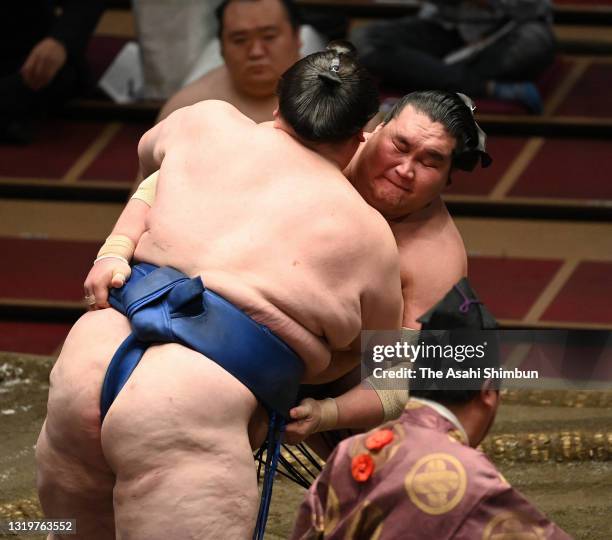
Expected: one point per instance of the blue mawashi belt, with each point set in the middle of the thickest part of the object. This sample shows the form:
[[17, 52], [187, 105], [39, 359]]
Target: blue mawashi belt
[[166, 306]]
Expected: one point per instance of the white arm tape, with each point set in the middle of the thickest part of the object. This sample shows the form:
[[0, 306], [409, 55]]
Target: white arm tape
[[394, 392], [147, 189]]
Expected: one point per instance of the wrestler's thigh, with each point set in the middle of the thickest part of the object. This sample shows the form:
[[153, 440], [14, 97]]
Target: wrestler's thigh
[[73, 478], [77, 376], [176, 438]]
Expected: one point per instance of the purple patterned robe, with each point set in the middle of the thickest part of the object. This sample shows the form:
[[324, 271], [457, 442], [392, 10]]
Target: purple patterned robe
[[425, 483]]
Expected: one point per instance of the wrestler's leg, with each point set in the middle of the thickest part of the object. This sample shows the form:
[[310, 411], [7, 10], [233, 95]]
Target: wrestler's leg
[[73, 478], [176, 438]]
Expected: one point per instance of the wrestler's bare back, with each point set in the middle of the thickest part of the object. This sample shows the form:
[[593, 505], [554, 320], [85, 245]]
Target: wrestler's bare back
[[275, 229], [271, 226]]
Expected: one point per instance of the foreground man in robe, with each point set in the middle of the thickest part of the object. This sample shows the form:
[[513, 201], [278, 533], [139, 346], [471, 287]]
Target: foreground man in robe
[[420, 477], [277, 231]]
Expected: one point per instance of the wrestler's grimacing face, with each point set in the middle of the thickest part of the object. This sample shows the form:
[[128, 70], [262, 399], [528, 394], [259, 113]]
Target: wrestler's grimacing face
[[258, 45], [404, 165]]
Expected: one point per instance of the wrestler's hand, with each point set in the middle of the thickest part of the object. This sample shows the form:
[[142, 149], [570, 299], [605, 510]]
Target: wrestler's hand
[[103, 275], [43, 63], [306, 419]]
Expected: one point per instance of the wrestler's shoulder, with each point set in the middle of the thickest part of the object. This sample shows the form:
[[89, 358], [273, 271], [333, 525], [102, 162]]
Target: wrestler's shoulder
[[211, 112], [376, 228], [440, 251]]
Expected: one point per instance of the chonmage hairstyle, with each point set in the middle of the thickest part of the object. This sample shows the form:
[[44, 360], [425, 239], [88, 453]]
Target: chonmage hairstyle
[[327, 96], [455, 113]]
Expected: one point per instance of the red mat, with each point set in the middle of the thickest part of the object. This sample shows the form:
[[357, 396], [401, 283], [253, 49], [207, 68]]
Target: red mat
[[568, 168], [46, 269], [509, 287], [57, 147], [32, 338], [119, 159], [586, 297], [591, 95], [503, 150]]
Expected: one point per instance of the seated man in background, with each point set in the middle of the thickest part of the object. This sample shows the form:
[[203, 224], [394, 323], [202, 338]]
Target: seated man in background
[[259, 40], [281, 239], [420, 477], [42, 59], [493, 48]]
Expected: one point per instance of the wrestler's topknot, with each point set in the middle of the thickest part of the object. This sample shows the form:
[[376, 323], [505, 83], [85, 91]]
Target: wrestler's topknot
[[454, 112], [328, 96]]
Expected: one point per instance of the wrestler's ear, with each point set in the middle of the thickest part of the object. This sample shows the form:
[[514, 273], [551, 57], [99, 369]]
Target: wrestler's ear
[[275, 113], [489, 394], [361, 136]]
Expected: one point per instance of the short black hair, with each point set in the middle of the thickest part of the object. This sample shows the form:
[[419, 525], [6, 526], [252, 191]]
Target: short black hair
[[290, 8], [459, 319], [327, 96], [456, 391], [451, 111]]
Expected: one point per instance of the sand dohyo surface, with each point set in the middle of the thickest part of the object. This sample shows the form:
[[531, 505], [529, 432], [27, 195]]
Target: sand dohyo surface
[[555, 448]]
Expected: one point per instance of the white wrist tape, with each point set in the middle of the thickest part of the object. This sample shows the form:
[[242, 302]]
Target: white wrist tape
[[118, 246], [112, 257], [329, 414]]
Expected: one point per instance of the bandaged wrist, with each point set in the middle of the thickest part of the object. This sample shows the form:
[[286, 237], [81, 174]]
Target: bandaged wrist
[[329, 414], [392, 392], [118, 246], [123, 259]]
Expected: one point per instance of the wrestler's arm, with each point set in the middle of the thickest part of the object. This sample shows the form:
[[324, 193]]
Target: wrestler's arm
[[361, 406], [111, 268], [151, 148]]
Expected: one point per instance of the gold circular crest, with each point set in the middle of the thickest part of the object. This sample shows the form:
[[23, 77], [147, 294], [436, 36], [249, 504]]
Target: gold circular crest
[[436, 483], [511, 525]]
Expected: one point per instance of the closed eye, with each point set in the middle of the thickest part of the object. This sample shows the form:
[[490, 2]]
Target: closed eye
[[401, 146]]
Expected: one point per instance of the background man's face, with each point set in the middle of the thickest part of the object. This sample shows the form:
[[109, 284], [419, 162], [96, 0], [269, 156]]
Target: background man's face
[[258, 45], [405, 164]]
